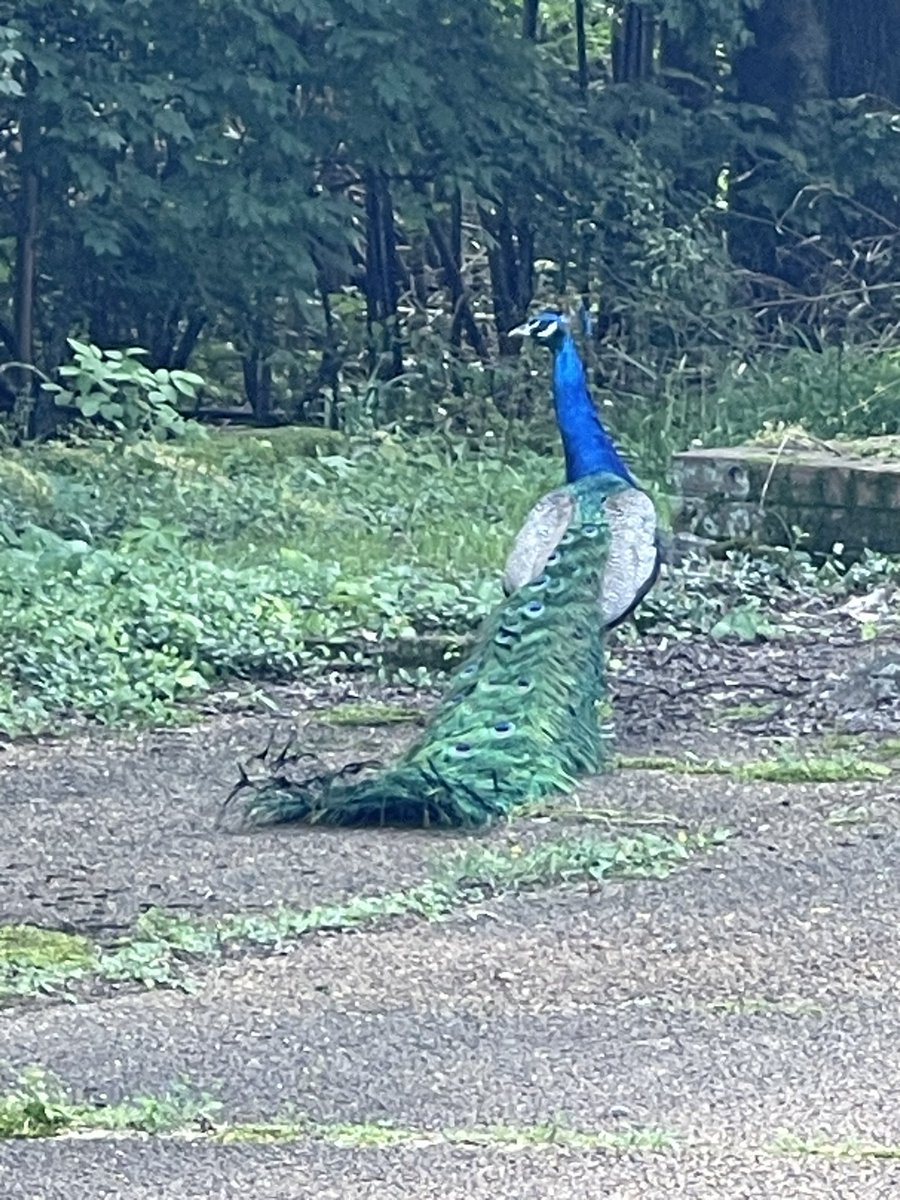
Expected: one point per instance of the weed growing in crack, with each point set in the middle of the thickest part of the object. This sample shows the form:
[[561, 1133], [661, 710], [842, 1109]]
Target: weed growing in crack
[[163, 948], [40, 1106]]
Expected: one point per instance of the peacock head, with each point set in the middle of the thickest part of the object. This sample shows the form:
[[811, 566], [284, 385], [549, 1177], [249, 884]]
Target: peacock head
[[548, 327]]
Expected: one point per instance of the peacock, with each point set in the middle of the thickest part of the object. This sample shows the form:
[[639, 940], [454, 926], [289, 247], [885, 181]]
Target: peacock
[[518, 721], [634, 553]]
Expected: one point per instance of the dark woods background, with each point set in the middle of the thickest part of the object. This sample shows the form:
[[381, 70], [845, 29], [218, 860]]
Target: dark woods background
[[333, 210]]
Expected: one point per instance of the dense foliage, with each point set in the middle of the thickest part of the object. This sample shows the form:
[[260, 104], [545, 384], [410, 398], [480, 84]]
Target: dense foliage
[[332, 212], [338, 207]]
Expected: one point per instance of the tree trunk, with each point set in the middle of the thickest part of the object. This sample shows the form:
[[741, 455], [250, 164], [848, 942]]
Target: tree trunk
[[26, 259], [789, 60], [511, 262], [788, 64], [36, 410], [462, 310], [581, 47], [257, 372], [184, 347], [530, 19], [633, 42], [382, 293]]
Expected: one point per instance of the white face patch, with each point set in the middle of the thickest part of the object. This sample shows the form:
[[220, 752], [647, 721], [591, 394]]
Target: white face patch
[[548, 329]]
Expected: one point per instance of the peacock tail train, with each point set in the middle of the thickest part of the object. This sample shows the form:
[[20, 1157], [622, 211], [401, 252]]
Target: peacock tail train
[[519, 719]]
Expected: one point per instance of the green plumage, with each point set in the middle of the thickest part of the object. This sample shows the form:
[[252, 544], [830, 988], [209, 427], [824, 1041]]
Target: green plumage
[[518, 721]]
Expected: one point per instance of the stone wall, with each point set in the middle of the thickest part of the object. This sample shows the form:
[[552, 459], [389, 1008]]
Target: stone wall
[[751, 493]]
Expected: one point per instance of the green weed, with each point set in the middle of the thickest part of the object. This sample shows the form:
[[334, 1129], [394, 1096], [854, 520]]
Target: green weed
[[742, 1006], [40, 1106], [34, 959]]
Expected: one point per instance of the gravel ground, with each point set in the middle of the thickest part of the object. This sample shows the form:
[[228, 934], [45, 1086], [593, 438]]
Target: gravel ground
[[751, 995]]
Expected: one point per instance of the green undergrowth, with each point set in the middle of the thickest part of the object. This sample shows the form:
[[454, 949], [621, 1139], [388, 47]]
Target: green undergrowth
[[163, 948], [170, 569]]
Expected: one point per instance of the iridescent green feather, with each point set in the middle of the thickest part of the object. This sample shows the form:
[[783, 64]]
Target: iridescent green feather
[[518, 721]]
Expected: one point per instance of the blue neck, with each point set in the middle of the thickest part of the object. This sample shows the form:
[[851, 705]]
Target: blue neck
[[588, 447]]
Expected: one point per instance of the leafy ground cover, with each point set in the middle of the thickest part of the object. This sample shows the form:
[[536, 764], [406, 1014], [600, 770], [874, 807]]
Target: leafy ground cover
[[134, 579]]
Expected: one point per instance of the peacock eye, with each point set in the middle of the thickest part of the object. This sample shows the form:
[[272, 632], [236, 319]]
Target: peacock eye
[[503, 727], [534, 608], [463, 748], [553, 558], [589, 530], [540, 582]]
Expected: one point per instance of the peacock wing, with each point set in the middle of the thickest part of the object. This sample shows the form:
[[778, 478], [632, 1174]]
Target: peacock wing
[[538, 538], [633, 562]]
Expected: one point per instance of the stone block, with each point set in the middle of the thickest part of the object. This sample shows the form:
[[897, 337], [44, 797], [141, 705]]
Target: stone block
[[755, 493]]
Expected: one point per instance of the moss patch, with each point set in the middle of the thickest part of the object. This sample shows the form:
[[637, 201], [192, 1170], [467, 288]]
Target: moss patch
[[28, 946]]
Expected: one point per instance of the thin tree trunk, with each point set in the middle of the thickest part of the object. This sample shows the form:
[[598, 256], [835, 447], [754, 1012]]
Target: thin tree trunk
[[510, 258], [581, 47], [382, 294], [26, 259], [330, 366], [462, 310], [530, 19], [188, 340], [257, 372], [456, 215], [37, 411]]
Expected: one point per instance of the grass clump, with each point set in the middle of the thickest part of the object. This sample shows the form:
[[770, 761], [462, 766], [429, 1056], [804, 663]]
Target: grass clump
[[40, 1106], [825, 1147]]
